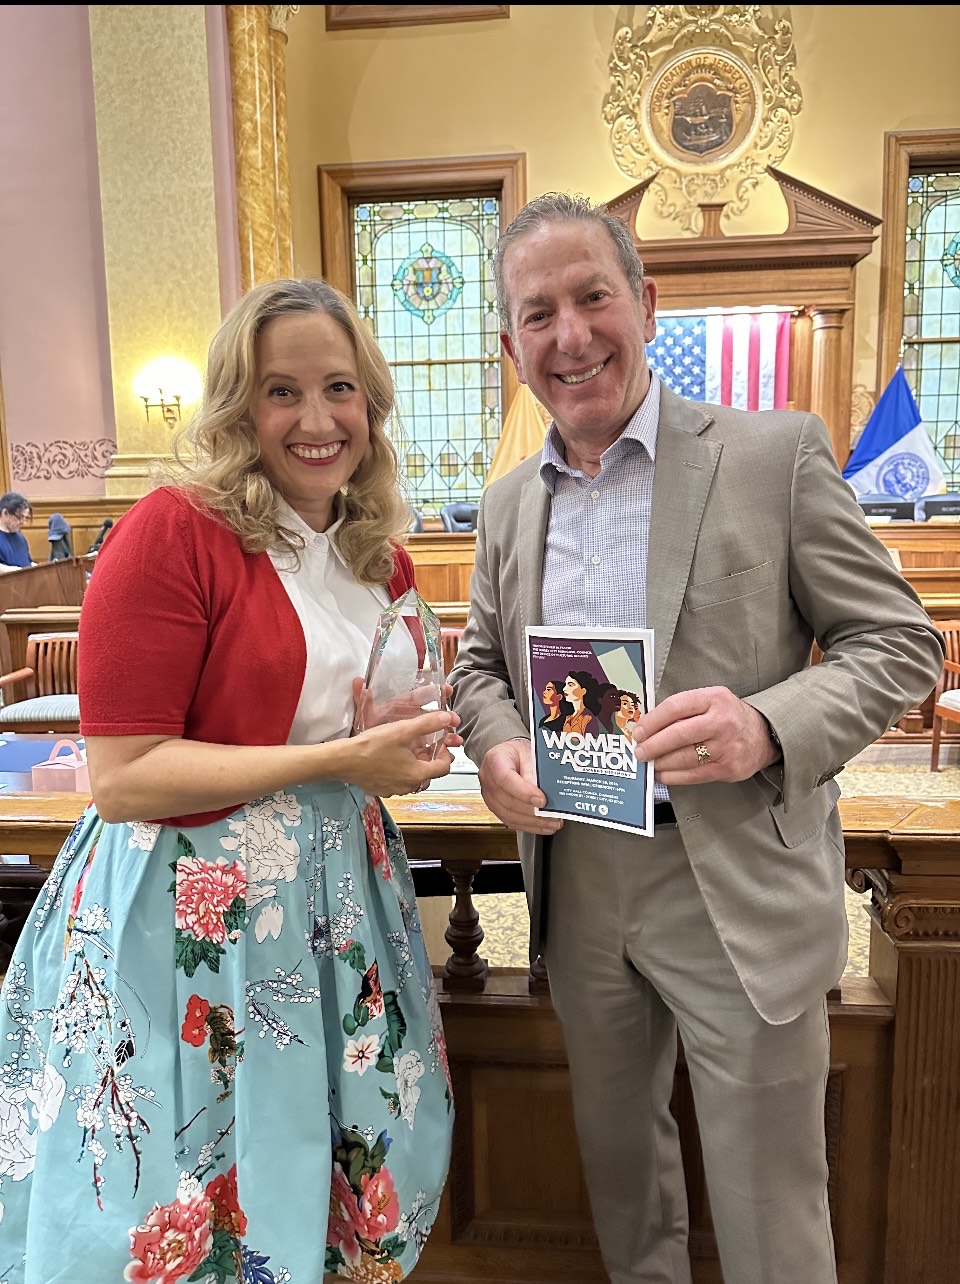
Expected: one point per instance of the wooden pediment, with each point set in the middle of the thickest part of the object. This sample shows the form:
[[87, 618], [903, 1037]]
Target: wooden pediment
[[627, 206], [821, 231], [816, 212]]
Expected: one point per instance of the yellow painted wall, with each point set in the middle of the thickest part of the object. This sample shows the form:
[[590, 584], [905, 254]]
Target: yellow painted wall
[[151, 85], [535, 83]]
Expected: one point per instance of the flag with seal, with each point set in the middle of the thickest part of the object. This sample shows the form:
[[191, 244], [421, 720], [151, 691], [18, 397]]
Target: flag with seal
[[895, 455]]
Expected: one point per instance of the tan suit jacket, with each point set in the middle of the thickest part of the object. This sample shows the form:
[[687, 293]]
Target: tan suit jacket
[[757, 547]]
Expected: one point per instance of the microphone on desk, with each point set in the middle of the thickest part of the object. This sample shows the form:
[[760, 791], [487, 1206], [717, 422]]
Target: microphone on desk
[[101, 536]]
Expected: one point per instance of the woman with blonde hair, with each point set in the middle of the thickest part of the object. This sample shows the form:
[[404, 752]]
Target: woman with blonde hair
[[220, 1050]]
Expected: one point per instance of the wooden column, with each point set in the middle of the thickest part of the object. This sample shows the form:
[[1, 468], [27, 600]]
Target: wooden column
[[830, 382], [801, 360]]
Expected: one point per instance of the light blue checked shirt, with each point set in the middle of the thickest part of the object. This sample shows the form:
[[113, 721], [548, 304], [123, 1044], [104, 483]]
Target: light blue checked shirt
[[598, 532]]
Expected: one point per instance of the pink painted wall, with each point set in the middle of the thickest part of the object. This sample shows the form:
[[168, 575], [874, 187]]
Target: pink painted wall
[[54, 340]]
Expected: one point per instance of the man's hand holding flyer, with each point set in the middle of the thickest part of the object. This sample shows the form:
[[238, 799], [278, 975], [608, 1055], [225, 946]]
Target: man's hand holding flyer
[[587, 689]]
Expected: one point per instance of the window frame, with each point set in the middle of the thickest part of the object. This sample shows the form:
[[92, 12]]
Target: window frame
[[341, 186], [904, 151]]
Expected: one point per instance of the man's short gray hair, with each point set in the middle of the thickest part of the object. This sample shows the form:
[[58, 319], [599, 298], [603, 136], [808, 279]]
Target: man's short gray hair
[[562, 207]]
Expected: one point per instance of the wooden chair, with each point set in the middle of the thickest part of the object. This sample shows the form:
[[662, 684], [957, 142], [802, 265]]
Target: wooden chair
[[946, 697], [50, 676], [459, 517], [449, 642]]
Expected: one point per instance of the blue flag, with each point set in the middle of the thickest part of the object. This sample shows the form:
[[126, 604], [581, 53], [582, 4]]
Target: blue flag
[[895, 455]]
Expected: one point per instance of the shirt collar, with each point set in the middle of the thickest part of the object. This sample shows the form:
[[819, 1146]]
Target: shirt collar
[[312, 539], [641, 428]]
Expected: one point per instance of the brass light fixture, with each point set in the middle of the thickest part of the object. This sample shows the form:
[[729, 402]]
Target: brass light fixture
[[166, 386], [168, 405]]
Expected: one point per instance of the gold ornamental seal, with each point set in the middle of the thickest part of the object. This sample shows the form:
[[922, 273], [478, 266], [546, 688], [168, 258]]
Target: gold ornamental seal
[[701, 106], [702, 101]]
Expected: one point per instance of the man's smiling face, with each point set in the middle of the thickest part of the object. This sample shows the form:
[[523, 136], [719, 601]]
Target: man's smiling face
[[578, 332]]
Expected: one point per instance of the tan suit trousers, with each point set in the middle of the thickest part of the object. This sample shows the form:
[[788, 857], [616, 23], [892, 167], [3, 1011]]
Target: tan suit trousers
[[632, 956]]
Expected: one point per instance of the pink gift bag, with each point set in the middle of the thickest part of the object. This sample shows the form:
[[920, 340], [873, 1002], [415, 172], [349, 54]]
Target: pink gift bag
[[66, 775]]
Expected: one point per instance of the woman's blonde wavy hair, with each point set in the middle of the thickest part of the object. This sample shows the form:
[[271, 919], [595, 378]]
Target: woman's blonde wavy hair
[[216, 457]]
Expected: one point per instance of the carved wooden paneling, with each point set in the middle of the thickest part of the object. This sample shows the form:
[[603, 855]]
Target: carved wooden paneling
[[444, 564], [516, 1207], [924, 1213], [915, 958], [514, 1109], [85, 516]]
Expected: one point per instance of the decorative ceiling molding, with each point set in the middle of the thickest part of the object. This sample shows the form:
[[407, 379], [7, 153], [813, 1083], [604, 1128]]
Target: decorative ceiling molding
[[702, 101]]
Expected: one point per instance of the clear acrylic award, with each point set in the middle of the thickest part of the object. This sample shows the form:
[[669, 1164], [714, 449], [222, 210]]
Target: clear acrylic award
[[404, 675]]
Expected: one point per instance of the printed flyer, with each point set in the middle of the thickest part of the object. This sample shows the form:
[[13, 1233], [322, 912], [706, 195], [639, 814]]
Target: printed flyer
[[587, 688]]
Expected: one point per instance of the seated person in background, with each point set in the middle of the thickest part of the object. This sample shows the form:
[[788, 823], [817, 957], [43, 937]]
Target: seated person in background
[[14, 549], [101, 536], [58, 533]]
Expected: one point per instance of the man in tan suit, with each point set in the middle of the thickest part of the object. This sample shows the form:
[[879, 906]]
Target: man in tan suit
[[729, 923]]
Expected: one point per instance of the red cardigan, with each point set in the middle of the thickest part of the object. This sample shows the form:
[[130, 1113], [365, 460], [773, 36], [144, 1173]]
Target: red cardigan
[[182, 633]]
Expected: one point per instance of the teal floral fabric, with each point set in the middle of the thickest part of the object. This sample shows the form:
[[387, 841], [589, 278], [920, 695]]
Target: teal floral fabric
[[221, 1055]]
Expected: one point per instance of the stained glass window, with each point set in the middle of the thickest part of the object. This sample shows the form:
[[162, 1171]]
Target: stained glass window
[[930, 353], [424, 283]]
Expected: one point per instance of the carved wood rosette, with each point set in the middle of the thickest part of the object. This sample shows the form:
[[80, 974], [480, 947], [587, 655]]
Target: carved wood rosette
[[915, 957]]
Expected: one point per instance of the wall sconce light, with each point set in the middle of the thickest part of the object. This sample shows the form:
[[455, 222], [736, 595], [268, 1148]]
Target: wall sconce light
[[165, 386], [169, 407]]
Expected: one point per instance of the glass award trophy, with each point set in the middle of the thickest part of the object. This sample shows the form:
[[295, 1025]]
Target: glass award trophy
[[404, 675]]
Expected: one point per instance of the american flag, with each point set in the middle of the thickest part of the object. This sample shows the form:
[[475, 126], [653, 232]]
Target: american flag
[[737, 359]]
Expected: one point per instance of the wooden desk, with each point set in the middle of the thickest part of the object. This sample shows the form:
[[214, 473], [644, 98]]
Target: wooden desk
[[58, 582], [47, 585], [894, 1036], [444, 564], [912, 836], [37, 824]]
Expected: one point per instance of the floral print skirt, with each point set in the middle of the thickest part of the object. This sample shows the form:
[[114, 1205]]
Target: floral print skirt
[[221, 1055]]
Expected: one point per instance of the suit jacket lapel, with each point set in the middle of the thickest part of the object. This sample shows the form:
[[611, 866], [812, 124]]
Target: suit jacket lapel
[[685, 466], [531, 538]]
